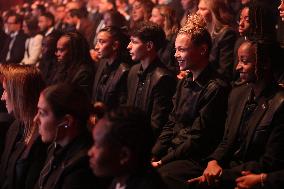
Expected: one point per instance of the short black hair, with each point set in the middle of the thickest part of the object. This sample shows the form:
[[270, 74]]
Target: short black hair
[[127, 126], [18, 18], [148, 31], [49, 16]]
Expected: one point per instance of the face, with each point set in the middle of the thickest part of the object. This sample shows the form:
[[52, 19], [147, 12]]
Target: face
[[12, 26], [244, 22], [104, 6], [43, 23], [5, 97], [25, 28], [104, 157], [107, 19], [187, 55], [186, 4], [62, 50], [70, 20], [157, 18], [204, 11], [60, 13], [46, 121], [137, 49], [104, 45], [281, 10], [138, 12], [246, 63]]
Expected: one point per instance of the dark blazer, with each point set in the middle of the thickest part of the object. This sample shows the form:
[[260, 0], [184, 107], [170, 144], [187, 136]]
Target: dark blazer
[[222, 52], [197, 119], [158, 90], [21, 164], [70, 166], [263, 144], [115, 90], [17, 50]]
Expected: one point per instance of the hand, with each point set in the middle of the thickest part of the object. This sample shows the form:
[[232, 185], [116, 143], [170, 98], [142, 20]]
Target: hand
[[248, 180], [199, 180], [156, 163], [212, 172]]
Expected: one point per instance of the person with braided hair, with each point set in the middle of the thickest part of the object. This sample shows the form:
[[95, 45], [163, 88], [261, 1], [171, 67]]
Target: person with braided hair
[[199, 109]]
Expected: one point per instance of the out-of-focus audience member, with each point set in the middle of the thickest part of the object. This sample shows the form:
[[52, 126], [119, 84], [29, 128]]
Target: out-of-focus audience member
[[123, 7], [115, 19], [76, 19], [34, 41], [110, 84], [220, 24], [164, 16], [63, 112], [13, 49], [74, 64], [141, 12], [59, 17], [24, 153], [189, 7], [122, 150]]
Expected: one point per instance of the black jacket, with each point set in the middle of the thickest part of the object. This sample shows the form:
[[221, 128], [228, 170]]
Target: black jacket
[[197, 120], [158, 89]]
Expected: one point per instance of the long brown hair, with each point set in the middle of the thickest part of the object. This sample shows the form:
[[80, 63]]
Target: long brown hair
[[23, 87]]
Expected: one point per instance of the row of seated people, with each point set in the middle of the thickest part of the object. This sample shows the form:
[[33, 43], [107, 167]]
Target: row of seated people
[[188, 143]]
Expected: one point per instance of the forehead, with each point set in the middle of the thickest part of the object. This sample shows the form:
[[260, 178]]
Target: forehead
[[245, 11], [12, 18], [101, 130], [42, 103], [104, 35], [182, 40], [136, 39], [63, 41]]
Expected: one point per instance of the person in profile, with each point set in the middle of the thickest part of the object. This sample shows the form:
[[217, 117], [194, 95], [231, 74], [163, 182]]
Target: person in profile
[[121, 151]]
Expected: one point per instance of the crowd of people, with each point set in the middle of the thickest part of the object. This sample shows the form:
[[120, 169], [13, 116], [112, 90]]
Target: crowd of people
[[124, 94]]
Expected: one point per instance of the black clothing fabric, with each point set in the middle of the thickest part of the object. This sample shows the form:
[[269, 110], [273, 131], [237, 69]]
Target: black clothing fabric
[[17, 49], [157, 89], [262, 147], [222, 52], [5, 121], [198, 117], [146, 178], [68, 167], [110, 85], [21, 163]]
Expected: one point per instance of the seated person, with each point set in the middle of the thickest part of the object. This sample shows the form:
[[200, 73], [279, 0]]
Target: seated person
[[254, 136], [200, 105], [121, 151], [63, 111]]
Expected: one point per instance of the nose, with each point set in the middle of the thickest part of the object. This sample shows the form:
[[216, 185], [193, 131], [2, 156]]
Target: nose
[[129, 46], [239, 66], [90, 152], [241, 23], [36, 118], [176, 54], [198, 12], [281, 5]]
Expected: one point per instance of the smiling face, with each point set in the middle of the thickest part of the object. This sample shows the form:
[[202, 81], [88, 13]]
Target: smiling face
[[46, 121], [187, 54], [6, 98], [246, 63], [104, 157], [137, 49]]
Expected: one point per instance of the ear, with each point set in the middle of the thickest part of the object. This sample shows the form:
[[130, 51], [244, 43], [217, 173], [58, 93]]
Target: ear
[[149, 45], [68, 120], [124, 156], [204, 49]]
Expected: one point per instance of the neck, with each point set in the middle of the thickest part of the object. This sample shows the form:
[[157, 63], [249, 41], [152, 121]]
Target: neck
[[112, 58], [148, 60], [201, 66]]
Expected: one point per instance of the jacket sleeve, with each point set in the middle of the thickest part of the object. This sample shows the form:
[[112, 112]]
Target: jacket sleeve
[[207, 127], [34, 51], [162, 105]]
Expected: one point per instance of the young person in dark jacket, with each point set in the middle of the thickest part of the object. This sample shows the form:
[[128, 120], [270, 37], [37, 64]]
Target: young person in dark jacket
[[200, 105], [254, 137], [150, 85], [24, 153], [121, 151], [110, 84], [63, 111]]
